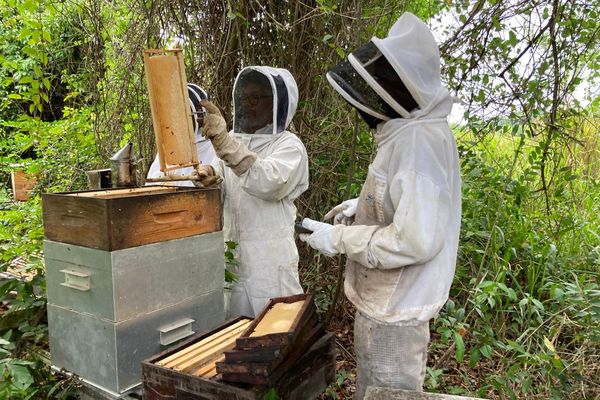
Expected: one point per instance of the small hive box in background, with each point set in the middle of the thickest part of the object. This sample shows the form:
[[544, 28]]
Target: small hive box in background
[[22, 184]]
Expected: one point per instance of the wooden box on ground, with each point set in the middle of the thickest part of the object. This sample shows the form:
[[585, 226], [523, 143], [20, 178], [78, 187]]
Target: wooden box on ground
[[121, 218], [22, 184], [179, 374]]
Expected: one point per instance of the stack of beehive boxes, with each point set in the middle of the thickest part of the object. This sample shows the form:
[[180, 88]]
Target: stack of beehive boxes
[[129, 272]]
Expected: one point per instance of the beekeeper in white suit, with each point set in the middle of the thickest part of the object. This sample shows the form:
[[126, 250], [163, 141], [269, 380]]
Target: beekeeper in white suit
[[264, 169], [402, 245], [204, 148]]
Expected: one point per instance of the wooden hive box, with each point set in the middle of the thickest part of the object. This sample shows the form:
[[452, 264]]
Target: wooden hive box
[[274, 341], [256, 337], [164, 376], [117, 219], [22, 184]]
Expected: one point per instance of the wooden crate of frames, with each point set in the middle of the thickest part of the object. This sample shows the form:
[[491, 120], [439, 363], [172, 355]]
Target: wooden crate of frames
[[284, 351], [273, 342]]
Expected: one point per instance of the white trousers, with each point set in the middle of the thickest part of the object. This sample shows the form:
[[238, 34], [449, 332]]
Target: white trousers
[[389, 355]]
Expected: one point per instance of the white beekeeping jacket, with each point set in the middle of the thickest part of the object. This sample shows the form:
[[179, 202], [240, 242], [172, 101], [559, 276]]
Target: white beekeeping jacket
[[402, 248], [259, 210]]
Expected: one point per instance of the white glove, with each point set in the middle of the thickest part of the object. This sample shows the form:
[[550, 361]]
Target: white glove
[[235, 154], [321, 239], [343, 213], [206, 177]]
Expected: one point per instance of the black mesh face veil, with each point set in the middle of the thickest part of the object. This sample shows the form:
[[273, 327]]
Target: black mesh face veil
[[253, 102], [196, 94], [372, 95], [358, 93], [282, 103], [379, 68]]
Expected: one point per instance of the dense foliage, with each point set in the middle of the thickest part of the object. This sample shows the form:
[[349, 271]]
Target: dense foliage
[[523, 319]]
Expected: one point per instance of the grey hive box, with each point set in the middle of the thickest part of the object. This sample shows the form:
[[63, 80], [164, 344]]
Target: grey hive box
[[119, 285], [112, 306]]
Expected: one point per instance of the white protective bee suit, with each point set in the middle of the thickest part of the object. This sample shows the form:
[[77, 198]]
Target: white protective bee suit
[[403, 244], [263, 173], [204, 148]]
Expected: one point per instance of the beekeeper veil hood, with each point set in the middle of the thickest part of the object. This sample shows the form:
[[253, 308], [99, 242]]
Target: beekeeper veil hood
[[264, 100], [394, 77], [196, 94]]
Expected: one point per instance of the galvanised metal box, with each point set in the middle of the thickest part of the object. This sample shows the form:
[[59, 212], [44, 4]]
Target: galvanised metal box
[[122, 284], [109, 310], [108, 354]]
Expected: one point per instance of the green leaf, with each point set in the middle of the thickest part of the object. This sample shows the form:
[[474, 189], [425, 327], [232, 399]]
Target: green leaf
[[537, 304], [475, 357], [270, 395], [486, 351], [549, 345], [22, 379], [523, 302], [30, 51], [459, 353], [14, 96]]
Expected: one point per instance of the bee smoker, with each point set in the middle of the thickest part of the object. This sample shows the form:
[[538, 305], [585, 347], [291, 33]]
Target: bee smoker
[[123, 167]]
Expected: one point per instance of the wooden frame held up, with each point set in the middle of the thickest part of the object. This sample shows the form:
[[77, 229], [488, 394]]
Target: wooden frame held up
[[171, 113]]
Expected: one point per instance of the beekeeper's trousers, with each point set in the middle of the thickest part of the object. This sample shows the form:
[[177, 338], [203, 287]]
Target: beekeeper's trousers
[[389, 355]]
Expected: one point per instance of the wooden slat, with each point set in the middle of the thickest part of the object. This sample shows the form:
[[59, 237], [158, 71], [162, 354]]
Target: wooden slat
[[175, 358], [121, 192], [209, 369], [210, 351]]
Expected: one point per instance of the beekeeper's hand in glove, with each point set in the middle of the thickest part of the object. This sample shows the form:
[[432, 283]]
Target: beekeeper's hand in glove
[[322, 237], [235, 154], [343, 213], [206, 177]]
